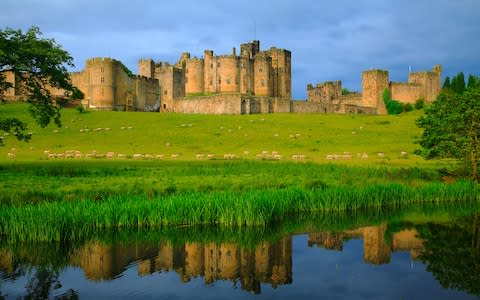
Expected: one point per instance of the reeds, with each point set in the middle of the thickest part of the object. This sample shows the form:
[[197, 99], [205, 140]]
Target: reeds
[[72, 220]]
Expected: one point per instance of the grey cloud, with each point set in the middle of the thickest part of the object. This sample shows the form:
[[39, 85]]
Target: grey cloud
[[329, 39]]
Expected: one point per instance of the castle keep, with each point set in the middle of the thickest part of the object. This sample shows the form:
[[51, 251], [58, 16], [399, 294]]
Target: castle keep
[[222, 83], [253, 81]]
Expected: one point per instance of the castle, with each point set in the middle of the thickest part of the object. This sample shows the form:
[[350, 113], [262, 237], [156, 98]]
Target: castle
[[423, 85], [252, 82]]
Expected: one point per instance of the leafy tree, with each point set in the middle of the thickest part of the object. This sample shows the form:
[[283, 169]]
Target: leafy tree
[[345, 91], [451, 128], [38, 64], [446, 83]]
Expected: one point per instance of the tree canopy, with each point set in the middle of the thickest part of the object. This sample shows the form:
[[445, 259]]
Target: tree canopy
[[451, 126], [38, 64]]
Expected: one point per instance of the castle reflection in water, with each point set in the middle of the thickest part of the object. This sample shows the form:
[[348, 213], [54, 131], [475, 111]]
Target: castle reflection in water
[[267, 263]]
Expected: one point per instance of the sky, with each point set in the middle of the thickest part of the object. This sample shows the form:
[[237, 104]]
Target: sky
[[329, 39]]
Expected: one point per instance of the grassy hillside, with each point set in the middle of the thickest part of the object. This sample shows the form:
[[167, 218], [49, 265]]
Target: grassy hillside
[[314, 136]]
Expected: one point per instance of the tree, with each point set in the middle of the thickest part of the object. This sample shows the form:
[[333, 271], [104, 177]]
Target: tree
[[472, 81], [39, 64], [446, 83], [451, 128], [458, 83]]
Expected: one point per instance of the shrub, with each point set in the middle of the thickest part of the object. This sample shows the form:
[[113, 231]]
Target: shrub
[[419, 104]]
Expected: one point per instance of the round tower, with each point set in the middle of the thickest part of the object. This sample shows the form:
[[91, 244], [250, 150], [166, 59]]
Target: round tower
[[194, 80], [101, 72], [228, 75], [262, 74]]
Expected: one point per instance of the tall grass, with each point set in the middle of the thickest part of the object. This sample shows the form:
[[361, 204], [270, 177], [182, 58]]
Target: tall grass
[[34, 182], [61, 221]]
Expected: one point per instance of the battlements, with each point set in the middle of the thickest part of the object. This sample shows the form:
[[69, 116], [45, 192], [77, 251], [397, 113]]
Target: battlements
[[101, 60]]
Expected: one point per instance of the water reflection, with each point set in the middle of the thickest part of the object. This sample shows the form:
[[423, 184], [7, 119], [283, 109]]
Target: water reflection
[[250, 267], [267, 263], [376, 249]]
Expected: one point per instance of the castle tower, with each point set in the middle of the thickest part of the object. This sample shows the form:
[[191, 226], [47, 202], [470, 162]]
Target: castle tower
[[194, 76], [210, 72], [263, 74], [374, 83], [249, 50], [429, 81], [228, 75], [146, 67], [101, 74], [281, 72]]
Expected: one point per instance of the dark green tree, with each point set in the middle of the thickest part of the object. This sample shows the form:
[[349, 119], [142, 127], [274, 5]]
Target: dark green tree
[[451, 128], [458, 83], [446, 83], [472, 81], [452, 253], [38, 64]]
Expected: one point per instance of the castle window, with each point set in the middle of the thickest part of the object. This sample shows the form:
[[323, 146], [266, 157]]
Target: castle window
[[219, 81], [165, 92], [260, 70], [228, 81], [101, 69], [263, 83], [218, 64], [211, 66], [102, 79]]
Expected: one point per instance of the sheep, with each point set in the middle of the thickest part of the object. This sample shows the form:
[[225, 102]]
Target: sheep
[[259, 156], [403, 154], [51, 155], [138, 156], [211, 156], [199, 156], [110, 154], [11, 155], [380, 155], [148, 156], [78, 155], [364, 156], [121, 156], [174, 156], [277, 157], [159, 156]]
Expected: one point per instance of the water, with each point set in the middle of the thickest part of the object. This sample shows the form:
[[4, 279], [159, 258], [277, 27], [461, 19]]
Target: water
[[428, 258]]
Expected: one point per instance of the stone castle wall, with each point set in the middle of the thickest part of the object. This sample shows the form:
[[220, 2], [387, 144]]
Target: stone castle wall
[[408, 93], [324, 92]]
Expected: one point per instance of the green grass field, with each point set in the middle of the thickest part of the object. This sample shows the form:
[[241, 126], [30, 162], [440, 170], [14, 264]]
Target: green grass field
[[45, 198], [251, 137]]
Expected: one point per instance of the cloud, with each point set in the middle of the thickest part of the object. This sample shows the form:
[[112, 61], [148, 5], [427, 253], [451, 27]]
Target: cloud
[[329, 39]]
